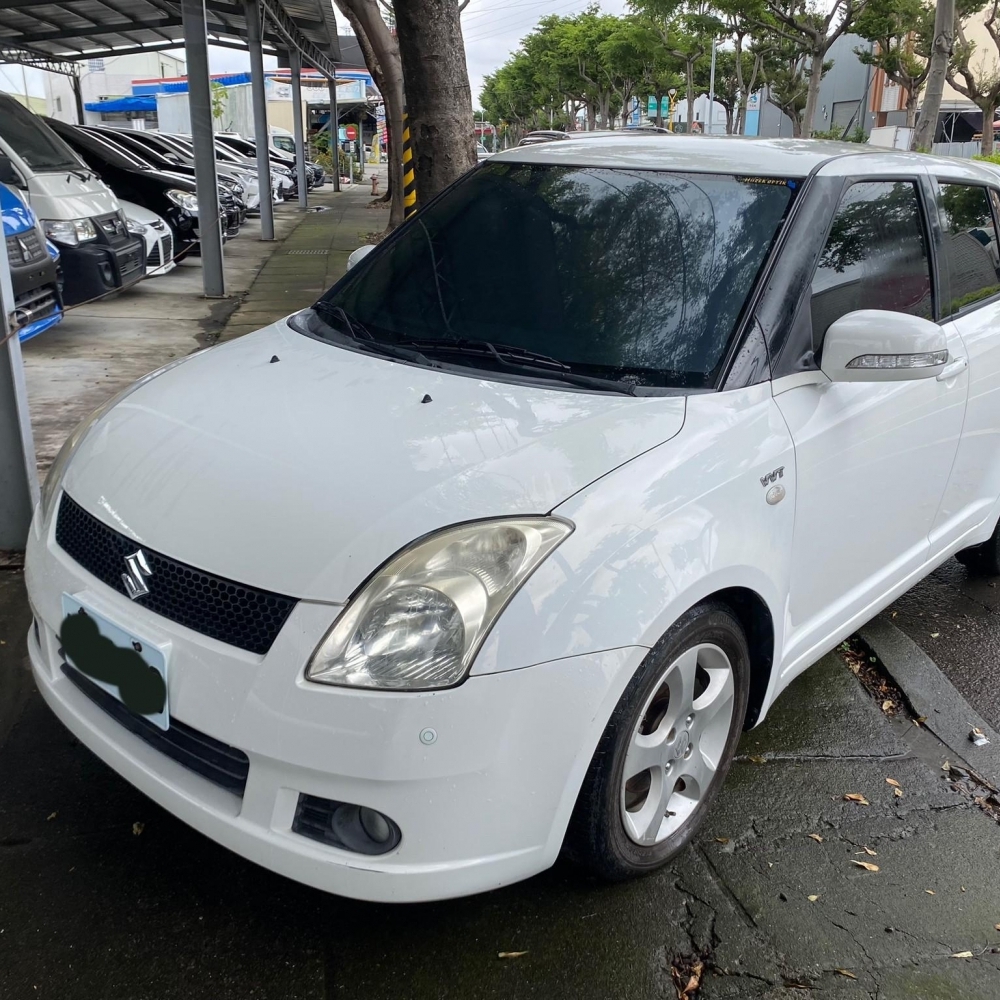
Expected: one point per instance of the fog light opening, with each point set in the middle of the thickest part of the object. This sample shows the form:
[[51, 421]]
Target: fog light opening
[[345, 825]]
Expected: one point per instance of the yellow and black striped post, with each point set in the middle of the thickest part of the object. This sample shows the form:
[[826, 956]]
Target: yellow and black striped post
[[409, 178]]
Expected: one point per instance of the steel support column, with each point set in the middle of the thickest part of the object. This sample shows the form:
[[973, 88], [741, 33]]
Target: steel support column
[[18, 476], [295, 65], [261, 134], [334, 132], [203, 137]]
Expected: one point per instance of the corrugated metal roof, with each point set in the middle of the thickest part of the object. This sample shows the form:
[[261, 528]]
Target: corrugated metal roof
[[77, 29]]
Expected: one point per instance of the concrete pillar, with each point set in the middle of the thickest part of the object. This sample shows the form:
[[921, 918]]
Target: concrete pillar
[[203, 137], [261, 134], [18, 475], [334, 132], [295, 65]]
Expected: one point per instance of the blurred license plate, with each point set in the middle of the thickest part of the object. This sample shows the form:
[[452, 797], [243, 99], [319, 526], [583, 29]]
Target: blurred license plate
[[125, 665]]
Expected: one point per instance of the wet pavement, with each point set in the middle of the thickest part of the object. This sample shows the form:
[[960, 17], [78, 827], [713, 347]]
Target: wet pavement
[[954, 616], [90, 909]]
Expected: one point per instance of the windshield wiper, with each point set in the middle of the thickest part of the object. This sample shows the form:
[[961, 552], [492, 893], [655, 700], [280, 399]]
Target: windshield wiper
[[520, 358], [356, 331]]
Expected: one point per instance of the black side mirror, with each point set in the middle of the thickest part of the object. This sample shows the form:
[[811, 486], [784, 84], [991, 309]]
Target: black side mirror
[[8, 172]]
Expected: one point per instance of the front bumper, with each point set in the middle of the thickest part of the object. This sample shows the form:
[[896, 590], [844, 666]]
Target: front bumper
[[485, 804]]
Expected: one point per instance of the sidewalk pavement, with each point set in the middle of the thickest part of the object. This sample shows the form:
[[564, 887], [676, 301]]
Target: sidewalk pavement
[[311, 258]]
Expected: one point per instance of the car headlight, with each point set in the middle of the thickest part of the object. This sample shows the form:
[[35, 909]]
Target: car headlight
[[419, 621], [187, 200], [279, 168], [69, 232], [57, 471], [135, 227]]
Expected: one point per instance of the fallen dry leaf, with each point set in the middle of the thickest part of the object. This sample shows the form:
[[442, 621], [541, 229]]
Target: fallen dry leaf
[[855, 797], [996, 927], [867, 865], [893, 782], [722, 840], [816, 837], [870, 852], [137, 828], [510, 954], [757, 759], [845, 972], [50, 817], [812, 899], [930, 892], [962, 954]]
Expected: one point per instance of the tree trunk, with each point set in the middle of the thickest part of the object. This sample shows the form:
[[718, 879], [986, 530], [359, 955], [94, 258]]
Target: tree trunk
[[796, 125], [381, 53], [812, 94], [989, 113], [659, 109], [944, 35], [438, 97], [729, 119], [911, 108], [591, 117]]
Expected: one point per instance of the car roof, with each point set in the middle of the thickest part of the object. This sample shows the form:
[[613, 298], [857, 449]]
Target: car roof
[[743, 155]]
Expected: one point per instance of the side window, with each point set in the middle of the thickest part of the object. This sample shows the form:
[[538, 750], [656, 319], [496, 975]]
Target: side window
[[970, 241], [874, 258]]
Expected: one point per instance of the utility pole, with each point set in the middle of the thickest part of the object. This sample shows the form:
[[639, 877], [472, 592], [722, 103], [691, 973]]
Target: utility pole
[[711, 92]]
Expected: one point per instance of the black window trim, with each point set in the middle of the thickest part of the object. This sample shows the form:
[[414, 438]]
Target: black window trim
[[916, 180], [935, 181]]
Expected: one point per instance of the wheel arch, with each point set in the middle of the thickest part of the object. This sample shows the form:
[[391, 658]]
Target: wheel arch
[[758, 625]]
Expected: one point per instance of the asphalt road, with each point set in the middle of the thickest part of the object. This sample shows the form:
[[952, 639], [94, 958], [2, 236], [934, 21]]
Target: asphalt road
[[955, 618], [104, 896]]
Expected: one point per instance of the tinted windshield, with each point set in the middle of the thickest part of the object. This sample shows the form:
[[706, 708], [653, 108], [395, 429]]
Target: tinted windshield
[[36, 144], [635, 275], [96, 152]]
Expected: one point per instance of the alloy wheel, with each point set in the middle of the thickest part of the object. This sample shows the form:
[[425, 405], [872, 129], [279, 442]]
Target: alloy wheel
[[677, 744]]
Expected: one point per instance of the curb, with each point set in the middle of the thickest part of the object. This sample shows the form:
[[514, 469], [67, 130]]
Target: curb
[[948, 715]]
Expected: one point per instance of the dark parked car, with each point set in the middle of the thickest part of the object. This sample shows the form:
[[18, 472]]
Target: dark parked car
[[169, 195]]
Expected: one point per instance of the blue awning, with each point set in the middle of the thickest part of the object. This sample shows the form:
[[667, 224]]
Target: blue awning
[[145, 103]]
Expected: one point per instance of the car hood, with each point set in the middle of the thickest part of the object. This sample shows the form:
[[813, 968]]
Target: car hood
[[297, 466]]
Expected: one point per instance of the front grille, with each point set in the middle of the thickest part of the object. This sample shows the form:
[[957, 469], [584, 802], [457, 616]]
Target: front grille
[[212, 605], [25, 248], [130, 261], [220, 763], [36, 304], [112, 225], [153, 257], [167, 248]]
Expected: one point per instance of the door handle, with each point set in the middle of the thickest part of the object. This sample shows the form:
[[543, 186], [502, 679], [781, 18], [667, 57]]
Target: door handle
[[955, 368]]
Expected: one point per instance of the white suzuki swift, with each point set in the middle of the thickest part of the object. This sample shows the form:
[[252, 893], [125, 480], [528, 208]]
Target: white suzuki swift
[[495, 551]]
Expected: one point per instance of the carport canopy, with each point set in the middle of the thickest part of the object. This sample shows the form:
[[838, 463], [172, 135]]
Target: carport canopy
[[56, 36]]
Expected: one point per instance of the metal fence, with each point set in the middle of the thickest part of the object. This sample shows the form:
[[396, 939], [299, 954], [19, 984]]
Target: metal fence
[[964, 149]]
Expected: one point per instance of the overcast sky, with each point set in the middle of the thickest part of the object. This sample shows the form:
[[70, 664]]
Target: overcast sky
[[492, 30]]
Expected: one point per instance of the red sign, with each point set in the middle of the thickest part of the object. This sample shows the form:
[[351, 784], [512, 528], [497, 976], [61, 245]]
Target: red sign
[[351, 132]]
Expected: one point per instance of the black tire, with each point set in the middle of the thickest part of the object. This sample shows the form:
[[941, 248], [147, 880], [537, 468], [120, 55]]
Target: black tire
[[597, 838], [984, 559]]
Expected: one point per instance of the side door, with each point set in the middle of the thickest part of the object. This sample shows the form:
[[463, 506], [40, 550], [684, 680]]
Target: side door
[[968, 213], [872, 459]]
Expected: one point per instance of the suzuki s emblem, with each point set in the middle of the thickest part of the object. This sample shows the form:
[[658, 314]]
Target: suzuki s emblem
[[136, 571]]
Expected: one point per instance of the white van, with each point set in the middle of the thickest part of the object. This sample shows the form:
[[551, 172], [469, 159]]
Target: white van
[[78, 212]]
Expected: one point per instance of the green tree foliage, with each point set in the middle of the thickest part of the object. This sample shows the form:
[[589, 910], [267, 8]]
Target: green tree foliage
[[902, 31]]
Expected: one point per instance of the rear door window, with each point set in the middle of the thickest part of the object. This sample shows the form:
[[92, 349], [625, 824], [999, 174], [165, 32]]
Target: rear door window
[[970, 242], [875, 256]]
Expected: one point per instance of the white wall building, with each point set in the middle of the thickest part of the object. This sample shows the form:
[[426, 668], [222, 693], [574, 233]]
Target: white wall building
[[111, 76]]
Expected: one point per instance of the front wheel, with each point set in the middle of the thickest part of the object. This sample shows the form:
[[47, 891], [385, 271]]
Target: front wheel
[[667, 748]]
